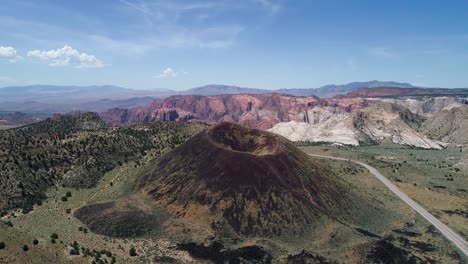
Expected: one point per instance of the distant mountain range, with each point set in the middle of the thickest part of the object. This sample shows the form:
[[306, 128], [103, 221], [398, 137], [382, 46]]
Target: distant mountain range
[[51, 93], [60, 99], [324, 91], [398, 92]]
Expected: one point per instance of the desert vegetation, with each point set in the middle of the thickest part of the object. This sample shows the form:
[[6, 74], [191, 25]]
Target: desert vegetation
[[75, 151]]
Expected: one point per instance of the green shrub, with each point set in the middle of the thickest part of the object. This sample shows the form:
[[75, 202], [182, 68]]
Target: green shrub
[[25, 248], [64, 199], [2, 245], [132, 252], [35, 242], [68, 194], [54, 236]]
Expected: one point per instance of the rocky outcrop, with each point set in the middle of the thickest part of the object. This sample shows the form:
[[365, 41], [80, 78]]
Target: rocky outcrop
[[449, 126], [350, 121], [261, 111], [428, 105], [379, 123]]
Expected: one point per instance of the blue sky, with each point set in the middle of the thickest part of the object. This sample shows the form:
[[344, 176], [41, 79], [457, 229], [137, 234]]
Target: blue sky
[[174, 44]]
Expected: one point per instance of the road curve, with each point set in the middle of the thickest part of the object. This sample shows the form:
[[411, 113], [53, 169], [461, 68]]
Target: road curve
[[445, 230]]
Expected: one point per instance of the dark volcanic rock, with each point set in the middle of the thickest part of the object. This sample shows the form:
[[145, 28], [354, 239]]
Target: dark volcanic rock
[[216, 252], [386, 252], [307, 258], [256, 182]]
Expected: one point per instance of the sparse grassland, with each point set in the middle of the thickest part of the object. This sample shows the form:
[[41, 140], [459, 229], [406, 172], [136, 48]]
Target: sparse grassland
[[398, 224], [52, 217], [437, 179]]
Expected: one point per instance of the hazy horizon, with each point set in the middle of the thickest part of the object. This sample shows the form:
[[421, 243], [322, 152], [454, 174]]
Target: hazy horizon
[[210, 84]]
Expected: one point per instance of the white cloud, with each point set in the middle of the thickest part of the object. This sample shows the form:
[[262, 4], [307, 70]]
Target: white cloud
[[7, 52], [10, 54], [168, 72], [67, 56]]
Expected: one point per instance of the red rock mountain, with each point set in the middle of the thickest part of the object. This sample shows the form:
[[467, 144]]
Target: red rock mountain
[[261, 111]]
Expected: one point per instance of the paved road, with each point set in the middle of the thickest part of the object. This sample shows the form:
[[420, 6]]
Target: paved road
[[447, 232]]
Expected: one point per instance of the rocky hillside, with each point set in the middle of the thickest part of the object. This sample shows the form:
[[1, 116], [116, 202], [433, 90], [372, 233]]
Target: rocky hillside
[[74, 151], [261, 111], [350, 121], [376, 124], [449, 126], [427, 105]]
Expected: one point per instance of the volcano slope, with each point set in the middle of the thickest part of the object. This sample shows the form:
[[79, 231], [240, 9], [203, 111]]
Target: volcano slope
[[247, 182]]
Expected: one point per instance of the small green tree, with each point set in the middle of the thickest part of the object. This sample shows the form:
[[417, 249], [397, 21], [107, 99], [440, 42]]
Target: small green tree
[[35, 242], [54, 236], [132, 252], [68, 194], [25, 248], [2, 245]]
